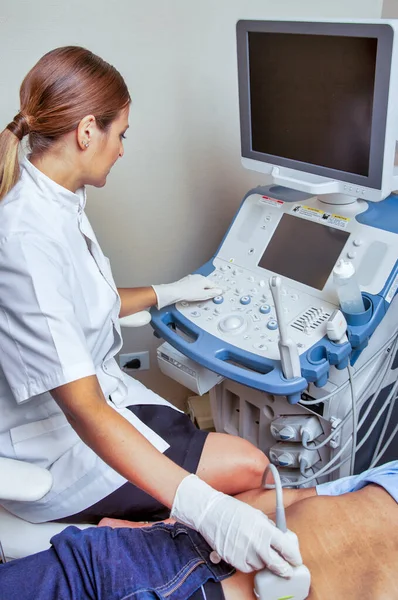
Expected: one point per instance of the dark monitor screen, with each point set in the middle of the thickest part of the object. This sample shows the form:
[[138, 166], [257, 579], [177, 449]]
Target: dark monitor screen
[[311, 98], [303, 250]]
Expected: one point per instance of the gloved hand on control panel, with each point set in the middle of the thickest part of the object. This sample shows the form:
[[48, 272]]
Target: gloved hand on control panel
[[192, 288], [243, 536]]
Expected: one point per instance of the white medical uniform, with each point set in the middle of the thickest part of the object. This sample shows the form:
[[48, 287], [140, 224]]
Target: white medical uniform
[[59, 311]]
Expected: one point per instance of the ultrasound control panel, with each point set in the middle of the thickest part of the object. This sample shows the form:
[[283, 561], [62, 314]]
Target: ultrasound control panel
[[245, 314], [302, 243], [236, 334]]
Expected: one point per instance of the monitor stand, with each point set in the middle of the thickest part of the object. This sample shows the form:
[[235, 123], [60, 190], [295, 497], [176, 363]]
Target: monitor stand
[[315, 185], [336, 199], [281, 192]]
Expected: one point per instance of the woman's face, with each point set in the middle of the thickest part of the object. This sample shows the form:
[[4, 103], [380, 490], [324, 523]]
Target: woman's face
[[108, 148]]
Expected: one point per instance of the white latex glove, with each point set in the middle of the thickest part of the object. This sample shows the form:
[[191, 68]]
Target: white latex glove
[[243, 536], [192, 288]]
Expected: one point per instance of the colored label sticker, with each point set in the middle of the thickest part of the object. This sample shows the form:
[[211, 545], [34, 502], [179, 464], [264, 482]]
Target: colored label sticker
[[338, 221], [315, 214], [272, 201], [391, 292]]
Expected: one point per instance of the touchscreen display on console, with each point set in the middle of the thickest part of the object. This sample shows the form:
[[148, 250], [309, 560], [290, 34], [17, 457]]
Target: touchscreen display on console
[[303, 250]]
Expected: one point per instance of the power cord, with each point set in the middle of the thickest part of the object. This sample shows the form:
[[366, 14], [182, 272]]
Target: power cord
[[377, 386], [393, 339], [354, 419]]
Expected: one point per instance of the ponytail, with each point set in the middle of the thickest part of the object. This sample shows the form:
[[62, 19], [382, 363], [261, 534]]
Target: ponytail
[[9, 145], [9, 163]]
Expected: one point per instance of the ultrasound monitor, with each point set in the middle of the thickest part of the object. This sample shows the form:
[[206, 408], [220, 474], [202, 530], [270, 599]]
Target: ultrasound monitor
[[319, 105], [293, 251]]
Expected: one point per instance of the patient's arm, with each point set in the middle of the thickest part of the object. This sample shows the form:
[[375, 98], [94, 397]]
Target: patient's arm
[[258, 498]]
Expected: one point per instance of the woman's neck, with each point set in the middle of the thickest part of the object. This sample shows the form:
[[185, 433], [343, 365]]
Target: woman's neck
[[59, 168]]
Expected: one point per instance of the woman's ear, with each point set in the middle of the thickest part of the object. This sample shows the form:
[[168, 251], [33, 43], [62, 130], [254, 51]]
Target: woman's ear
[[85, 131]]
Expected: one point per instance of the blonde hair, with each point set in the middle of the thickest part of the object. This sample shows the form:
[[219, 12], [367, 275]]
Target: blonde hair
[[64, 86]]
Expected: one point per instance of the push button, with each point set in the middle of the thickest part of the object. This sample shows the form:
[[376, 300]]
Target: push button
[[260, 346], [265, 309], [215, 558], [272, 324]]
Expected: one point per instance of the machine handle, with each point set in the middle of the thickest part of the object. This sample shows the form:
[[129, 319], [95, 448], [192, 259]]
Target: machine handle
[[214, 354]]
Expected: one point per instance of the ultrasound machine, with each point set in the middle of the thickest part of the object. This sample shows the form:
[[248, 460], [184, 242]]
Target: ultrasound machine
[[287, 369]]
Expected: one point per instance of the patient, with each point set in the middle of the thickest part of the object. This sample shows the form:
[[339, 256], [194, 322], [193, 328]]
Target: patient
[[349, 543]]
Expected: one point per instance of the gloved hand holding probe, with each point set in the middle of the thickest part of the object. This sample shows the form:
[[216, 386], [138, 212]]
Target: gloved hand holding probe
[[243, 536], [191, 288]]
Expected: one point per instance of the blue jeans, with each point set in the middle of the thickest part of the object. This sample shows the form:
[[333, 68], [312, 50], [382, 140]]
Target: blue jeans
[[163, 561]]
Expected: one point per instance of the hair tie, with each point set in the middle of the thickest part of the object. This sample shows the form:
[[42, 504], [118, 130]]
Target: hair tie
[[19, 126]]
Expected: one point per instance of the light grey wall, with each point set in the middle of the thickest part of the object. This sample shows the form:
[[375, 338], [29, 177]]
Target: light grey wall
[[170, 199]]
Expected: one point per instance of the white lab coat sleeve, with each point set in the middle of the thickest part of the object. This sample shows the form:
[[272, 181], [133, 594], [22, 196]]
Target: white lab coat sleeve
[[42, 345]]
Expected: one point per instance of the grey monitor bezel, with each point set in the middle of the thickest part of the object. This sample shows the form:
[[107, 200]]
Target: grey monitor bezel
[[385, 36]]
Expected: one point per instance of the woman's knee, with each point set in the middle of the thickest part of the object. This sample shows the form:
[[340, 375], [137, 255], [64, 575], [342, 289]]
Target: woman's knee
[[231, 464]]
